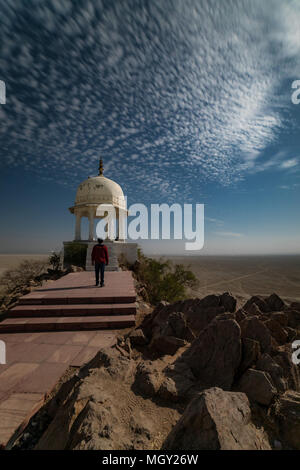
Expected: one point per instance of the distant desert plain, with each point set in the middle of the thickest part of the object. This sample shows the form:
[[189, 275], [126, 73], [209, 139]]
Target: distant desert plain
[[243, 276]]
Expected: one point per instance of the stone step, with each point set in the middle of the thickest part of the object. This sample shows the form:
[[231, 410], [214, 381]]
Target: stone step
[[31, 299], [66, 323], [72, 310]]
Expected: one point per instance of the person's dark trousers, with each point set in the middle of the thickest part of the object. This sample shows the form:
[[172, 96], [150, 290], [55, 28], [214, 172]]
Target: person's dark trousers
[[99, 267]]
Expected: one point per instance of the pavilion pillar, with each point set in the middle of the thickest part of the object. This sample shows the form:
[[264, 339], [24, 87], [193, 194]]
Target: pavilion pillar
[[78, 227], [122, 224], [91, 226]]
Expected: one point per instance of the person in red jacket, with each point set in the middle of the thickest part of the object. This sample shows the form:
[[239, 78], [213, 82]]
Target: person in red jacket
[[99, 260]]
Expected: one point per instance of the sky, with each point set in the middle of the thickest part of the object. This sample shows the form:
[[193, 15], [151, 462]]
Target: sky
[[186, 101]]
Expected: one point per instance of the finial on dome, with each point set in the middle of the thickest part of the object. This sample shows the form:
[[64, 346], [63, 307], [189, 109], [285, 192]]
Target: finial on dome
[[101, 167]]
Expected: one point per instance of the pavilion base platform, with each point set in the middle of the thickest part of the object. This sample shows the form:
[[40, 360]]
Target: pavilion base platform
[[115, 250]]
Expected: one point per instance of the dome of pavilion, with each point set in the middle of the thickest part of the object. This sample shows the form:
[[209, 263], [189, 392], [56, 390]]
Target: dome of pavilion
[[100, 190]]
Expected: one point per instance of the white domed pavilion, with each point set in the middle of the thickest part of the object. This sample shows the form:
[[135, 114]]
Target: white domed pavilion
[[90, 194]]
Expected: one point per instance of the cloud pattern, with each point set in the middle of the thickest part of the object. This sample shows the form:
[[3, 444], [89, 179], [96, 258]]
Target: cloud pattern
[[171, 94]]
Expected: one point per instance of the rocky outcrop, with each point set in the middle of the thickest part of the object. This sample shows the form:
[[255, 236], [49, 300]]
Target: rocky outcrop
[[183, 320], [198, 363], [217, 420]]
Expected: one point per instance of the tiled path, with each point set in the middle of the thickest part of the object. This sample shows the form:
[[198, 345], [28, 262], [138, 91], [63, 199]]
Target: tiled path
[[35, 361]]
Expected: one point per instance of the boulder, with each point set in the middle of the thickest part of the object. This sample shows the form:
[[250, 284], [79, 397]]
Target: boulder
[[215, 420], [253, 309], [295, 306], [166, 344], [178, 380], [259, 301], [137, 338], [215, 355], [199, 318], [177, 326], [258, 386], [197, 313], [277, 331], [254, 328], [170, 335], [148, 378], [292, 334], [291, 372], [250, 354], [174, 388], [228, 302], [267, 364], [287, 414], [293, 318], [280, 317], [275, 303], [240, 315]]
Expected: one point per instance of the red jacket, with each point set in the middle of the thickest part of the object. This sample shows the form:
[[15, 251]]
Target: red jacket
[[100, 254]]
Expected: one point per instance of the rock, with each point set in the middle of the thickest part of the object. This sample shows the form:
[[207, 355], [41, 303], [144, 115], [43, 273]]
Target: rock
[[199, 317], [287, 413], [170, 335], [259, 301], [147, 379], [277, 331], [240, 315], [215, 355], [258, 386], [210, 301], [114, 363], [177, 326], [166, 344], [295, 306], [275, 303], [75, 269], [197, 314], [216, 420], [228, 302], [292, 334], [254, 328], [179, 379], [250, 354], [137, 338], [291, 371], [174, 388], [253, 309], [267, 364], [280, 317], [293, 318]]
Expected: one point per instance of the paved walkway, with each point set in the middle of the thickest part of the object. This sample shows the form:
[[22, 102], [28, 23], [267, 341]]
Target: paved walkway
[[35, 361]]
